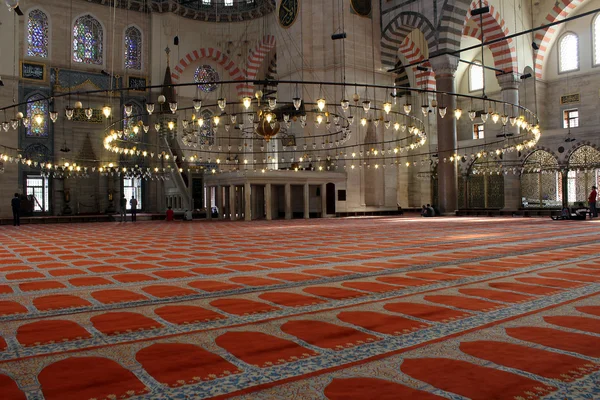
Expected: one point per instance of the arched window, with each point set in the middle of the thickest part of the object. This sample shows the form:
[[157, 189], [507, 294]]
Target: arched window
[[133, 48], [596, 39], [37, 34], [37, 112], [87, 40], [568, 53], [475, 76]]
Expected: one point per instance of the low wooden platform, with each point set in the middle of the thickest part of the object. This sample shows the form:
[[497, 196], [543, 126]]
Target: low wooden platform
[[51, 219]]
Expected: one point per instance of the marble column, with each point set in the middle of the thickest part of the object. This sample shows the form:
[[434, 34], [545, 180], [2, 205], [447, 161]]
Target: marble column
[[306, 201], [219, 201], [232, 208], [288, 201], [268, 205], [208, 202], [444, 67], [323, 200], [240, 201], [509, 84], [247, 202]]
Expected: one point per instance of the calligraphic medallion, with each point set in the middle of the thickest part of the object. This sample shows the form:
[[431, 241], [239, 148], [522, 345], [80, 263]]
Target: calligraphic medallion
[[288, 12]]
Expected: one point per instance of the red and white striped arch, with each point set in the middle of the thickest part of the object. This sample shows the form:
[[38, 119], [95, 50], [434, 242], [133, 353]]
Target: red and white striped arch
[[494, 27], [255, 60], [561, 10], [413, 54]]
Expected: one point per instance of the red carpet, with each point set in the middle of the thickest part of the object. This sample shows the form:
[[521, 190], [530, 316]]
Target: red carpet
[[370, 308]]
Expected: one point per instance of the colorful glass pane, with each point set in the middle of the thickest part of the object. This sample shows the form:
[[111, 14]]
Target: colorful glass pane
[[204, 75], [87, 40], [37, 34], [133, 48], [36, 106]]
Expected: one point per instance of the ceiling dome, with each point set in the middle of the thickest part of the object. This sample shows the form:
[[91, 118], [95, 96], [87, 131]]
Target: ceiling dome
[[202, 10]]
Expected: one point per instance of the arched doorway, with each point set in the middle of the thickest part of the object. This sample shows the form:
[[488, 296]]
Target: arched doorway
[[330, 193], [484, 185], [541, 181], [584, 171]]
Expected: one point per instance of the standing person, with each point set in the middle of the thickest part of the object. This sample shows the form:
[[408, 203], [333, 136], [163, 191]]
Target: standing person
[[123, 208], [16, 209], [133, 203], [592, 201]]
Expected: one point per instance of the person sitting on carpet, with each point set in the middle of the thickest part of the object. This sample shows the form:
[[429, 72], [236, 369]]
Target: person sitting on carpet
[[423, 211], [187, 215], [430, 211], [170, 214]]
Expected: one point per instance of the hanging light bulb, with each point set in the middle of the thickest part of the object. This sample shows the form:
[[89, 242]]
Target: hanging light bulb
[[495, 117], [128, 109], [407, 108], [425, 109], [297, 102], [185, 123], [136, 129], [216, 120], [345, 104], [233, 119], [366, 105], [5, 126], [269, 117], [442, 111], [513, 121], [504, 119], [173, 106], [247, 102], [200, 122], [321, 103], [38, 119], [27, 121], [363, 121], [519, 122], [258, 95], [171, 125], [157, 126], [222, 102], [484, 117], [396, 126], [319, 119], [272, 103], [350, 119], [403, 127], [69, 113], [286, 118], [387, 124], [457, 113], [14, 123], [146, 128], [197, 104], [387, 107], [472, 115], [107, 110], [89, 112]]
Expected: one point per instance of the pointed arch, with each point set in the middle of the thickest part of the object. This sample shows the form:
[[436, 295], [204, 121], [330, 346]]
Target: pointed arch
[[494, 27], [38, 33], [543, 38], [398, 29], [88, 40], [133, 47], [413, 54]]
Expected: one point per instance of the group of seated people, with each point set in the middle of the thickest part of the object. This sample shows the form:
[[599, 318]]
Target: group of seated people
[[579, 212], [187, 215], [427, 211]]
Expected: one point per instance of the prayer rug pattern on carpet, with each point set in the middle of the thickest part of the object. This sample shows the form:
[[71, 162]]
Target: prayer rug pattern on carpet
[[366, 308]]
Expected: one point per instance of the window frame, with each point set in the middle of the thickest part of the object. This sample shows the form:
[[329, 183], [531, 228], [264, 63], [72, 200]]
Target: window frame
[[479, 131], [125, 48], [26, 35], [595, 62], [566, 118], [558, 55], [471, 66], [90, 65]]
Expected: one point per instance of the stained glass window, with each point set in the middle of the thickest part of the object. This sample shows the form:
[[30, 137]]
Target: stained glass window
[[205, 74], [475, 76], [37, 112], [568, 53], [133, 48], [87, 40], [37, 34], [129, 123]]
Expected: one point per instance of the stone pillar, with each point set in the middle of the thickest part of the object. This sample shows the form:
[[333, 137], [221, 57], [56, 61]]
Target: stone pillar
[[509, 83], [232, 199], [247, 202], [288, 201], [323, 200], [219, 201], [444, 67], [268, 205], [240, 201], [306, 201], [208, 202]]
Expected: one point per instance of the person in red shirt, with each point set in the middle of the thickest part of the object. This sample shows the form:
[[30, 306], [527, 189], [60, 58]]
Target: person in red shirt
[[592, 201], [170, 214]]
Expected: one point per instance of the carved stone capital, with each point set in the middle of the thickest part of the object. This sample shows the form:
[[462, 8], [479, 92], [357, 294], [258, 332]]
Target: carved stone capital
[[509, 81], [444, 65]]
